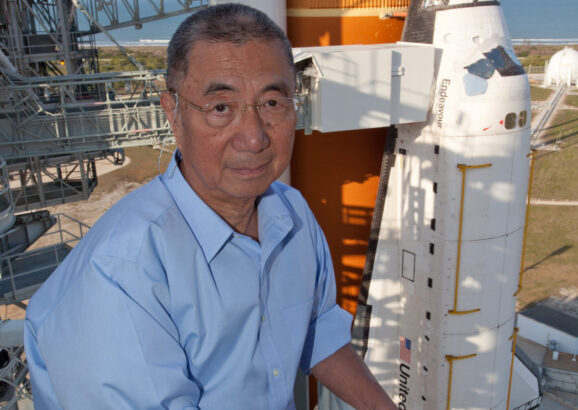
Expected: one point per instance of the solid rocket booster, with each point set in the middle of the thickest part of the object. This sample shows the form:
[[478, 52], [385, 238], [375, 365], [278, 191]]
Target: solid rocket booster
[[436, 315]]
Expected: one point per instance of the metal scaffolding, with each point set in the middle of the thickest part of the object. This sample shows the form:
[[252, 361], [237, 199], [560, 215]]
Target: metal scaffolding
[[58, 115], [56, 109]]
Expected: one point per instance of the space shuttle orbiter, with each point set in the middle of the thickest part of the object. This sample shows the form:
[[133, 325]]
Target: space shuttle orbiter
[[436, 315]]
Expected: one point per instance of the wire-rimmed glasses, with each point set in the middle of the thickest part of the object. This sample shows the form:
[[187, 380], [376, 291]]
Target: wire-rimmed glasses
[[273, 110]]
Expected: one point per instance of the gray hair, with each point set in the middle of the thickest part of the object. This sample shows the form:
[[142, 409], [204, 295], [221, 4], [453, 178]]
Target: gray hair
[[229, 23]]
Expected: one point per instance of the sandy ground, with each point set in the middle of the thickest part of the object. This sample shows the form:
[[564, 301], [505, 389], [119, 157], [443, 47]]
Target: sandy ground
[[90, 210]]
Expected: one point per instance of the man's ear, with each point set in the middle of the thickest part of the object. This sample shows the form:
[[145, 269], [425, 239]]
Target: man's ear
[[169, 104]]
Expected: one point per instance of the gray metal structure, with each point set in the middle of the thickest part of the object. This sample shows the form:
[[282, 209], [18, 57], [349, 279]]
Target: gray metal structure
[[56, 108], [58, 115]]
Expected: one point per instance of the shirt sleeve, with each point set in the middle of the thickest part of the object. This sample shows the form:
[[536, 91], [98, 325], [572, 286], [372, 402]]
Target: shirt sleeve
[[330, 327], [107, 344]]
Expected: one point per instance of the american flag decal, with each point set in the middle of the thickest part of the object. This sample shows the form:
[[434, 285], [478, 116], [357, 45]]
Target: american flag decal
[[405, 349]]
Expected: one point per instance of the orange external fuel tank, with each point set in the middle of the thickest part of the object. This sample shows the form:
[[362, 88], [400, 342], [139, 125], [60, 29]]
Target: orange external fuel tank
[[338, 172]]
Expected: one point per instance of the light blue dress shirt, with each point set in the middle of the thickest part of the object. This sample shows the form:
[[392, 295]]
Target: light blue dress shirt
[[163, 305]]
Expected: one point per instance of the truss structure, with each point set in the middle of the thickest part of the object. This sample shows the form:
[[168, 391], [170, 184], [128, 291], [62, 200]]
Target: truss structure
[[58, 115], [55, 105]]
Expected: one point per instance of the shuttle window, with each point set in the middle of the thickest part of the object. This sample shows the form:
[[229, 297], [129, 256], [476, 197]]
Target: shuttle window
[[481, 68], [474, 85], [523, 118], [511, 120], [408, 265], [503, 62]]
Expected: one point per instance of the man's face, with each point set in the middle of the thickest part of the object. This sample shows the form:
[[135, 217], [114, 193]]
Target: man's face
[[240, 160]]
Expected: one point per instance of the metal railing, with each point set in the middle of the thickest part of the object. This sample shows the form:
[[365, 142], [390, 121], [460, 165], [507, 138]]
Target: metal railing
[[23, 273], [545, 114], [82, 113], [117, 14]]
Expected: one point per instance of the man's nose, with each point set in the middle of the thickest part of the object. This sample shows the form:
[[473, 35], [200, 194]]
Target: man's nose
[[250, 134]]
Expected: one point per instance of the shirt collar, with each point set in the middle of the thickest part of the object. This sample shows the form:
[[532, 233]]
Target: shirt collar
[[208, 227], [275, 216], [276, 219]]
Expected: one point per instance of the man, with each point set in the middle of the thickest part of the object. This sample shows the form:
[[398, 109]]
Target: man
[[207, 287]]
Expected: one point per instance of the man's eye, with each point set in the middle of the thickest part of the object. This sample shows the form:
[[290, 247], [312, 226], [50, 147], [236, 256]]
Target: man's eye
[[271, 103], [221, 108]]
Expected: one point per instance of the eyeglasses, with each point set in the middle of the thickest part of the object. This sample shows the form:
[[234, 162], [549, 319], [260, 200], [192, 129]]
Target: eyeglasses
[[272, 110]]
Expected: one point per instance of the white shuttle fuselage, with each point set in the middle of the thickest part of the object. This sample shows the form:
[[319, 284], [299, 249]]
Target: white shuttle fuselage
[[439, 303]]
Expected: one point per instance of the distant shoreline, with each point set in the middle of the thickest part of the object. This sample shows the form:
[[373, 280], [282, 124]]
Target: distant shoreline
[[544, 41], [141, 43]]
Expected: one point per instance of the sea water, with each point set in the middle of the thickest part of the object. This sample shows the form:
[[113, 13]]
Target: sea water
[[542, 21]]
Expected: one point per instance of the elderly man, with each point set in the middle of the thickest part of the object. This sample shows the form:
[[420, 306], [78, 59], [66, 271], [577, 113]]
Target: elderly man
[[210, 285]]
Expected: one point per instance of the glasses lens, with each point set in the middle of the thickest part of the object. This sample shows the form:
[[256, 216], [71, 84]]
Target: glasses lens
[[222, 113], [272, 110], [277, 109]]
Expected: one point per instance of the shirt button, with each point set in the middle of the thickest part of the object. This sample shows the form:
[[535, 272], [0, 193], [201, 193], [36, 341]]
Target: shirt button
[[275, 372], [263, 318]]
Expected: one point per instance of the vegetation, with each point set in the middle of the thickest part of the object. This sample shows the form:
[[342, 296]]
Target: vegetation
[[571, 100], [551, 253], [555, 170], [535, 54], [552, 240], [113, 60], [539, 93]]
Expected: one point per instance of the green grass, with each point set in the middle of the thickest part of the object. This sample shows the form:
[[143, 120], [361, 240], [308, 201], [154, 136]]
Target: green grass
[[539, 93], [111, 60], [555, 171], [551, 253], [571, 100], [535, 55], [565, 127], [552, 240]]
